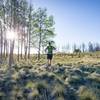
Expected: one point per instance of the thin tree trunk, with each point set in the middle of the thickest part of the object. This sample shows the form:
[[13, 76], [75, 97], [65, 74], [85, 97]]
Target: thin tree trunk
[[7, 50], [29, 47], [39, 46], [18, 43], [4, 33], [1, 42], [25, 53], [29, 31], [11, 60], [21, 50], [25, 46], [18, 48], [21, 46]]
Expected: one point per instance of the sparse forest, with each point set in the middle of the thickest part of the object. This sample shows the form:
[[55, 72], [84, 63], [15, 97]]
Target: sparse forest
[[24, 34], [22, 27]]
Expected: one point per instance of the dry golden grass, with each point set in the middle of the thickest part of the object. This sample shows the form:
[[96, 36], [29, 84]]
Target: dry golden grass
[[63, 59], [83, 59], [86, 94], [31, 75]]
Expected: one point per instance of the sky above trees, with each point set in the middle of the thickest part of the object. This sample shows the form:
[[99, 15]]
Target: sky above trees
[[76, 21]]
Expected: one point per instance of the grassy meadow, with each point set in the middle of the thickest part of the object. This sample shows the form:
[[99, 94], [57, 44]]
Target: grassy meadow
[[71, 77]]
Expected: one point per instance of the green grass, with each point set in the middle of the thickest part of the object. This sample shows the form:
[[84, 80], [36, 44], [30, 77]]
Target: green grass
[[34, 82]]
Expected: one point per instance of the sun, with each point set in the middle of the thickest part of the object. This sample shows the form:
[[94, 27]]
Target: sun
[[11, 35]]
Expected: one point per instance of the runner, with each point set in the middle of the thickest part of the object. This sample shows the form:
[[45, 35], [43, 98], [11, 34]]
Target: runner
[[49, 51]]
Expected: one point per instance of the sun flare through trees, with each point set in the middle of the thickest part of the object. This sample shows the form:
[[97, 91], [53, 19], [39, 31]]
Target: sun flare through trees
[[23, 28]]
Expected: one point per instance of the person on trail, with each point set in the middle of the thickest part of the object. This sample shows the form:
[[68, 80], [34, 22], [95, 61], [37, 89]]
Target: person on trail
[[49, 51]]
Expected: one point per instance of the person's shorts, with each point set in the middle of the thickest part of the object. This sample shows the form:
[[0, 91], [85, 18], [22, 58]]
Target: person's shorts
[[49, 56]]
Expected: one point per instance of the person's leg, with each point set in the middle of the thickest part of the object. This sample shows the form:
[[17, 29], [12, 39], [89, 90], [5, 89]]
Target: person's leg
[[47, 59], [50, 62], [51, 59]]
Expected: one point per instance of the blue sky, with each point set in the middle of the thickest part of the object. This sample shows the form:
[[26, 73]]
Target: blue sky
[[76, 21]]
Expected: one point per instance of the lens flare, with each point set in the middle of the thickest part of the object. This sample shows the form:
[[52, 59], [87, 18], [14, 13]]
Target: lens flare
[[11, 35]]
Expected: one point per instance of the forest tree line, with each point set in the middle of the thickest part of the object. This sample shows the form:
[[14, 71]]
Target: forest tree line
[[33, 29], [89, 47]]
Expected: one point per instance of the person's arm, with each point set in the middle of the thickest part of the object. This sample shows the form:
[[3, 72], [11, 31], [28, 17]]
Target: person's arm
[[46, 49], [54, 48]]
